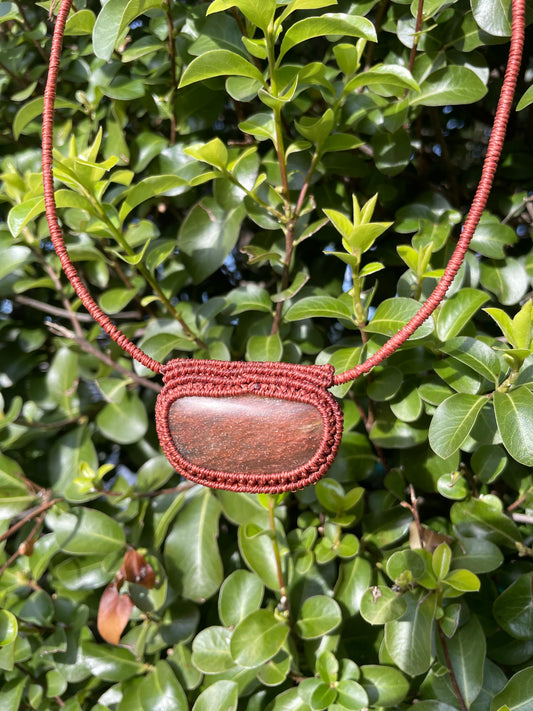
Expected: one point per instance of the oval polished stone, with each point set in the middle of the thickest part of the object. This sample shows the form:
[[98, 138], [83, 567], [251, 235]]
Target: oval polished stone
[[245, 433]]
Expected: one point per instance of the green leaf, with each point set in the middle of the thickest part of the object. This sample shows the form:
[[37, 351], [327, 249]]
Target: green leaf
[[477, 555], [450, 86], [264, 348], [477, 517], [513, 609], [514, 415], [34, 108], [327, 24], [80, 23], [84, 531], [161, 690], [392, 151], [526, 99], [124, 421], [475, 354], [318, 616], [388, 75], [211, 651], [384, 685], [241, 594], [457, 311], [8, 627], [11, 693], [109, 663], [114, 17], [259, 14], [507, 280], [517, 693], [207, 236], [154, 186], [491, 237], [393, 314], [380, 604], [318, 306], [258, 553], [466, 650], [223, 695], [493, 16], [191, 552], [409, 639], [353, 581], [216, 63], [452, 422], [463, 580], [257, 638]]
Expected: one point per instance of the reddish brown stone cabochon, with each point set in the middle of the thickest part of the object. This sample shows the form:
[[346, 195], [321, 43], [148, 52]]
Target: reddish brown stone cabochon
[[245, 433]]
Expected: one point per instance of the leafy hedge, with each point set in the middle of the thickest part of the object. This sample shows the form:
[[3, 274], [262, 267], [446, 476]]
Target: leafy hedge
[[266, 181]]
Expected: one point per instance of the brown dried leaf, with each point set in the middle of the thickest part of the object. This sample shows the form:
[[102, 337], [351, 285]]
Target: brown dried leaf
[[137, 570], [113, 614], [430, 538]]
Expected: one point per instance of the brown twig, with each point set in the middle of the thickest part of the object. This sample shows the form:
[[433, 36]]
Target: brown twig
[[29, 516], [173, 78], [89, 348], [416, 38], [63, 313]]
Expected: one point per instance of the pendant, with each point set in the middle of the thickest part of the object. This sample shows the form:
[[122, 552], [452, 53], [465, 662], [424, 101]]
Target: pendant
[[254, 427]]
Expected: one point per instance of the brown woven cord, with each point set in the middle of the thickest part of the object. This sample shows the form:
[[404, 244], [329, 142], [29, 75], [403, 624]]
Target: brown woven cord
[[478, 204], [48, 182], [490, 163], [217, 379]]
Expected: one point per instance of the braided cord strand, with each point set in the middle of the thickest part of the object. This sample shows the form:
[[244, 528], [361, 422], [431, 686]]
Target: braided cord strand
[[490, 163], [56, 233], [478, 204]]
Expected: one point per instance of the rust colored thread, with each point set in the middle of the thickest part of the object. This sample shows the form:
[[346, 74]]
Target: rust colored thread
[[299, 383], [48, 181], [478, 204]]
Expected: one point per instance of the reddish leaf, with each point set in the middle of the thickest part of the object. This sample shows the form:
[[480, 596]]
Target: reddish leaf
[[113, 614], [137, 570]]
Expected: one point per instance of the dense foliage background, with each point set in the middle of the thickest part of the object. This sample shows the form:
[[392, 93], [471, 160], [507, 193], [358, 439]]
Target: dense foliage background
[[217, 166]]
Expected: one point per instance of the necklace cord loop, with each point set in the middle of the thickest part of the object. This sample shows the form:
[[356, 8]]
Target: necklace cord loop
[[478, 204]]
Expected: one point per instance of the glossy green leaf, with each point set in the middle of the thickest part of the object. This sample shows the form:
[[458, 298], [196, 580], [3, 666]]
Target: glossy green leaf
[[207, 236], [517, 693], [380, 604], [466, 650], [34, 108], [220, 696], [457, 311], [114, 17], [353, 581], [152, 187], [258, 553], [161, 690], [318, 306], [450, 86], [384, 685], [393, 314], [257, 638], [110, 663], [513, 609], [409, 639], [219, 62], [260, 15], [452, 422], [124, 421], [8, 627], [493, 17], [264, 348], [506, 280], [328, 24], [211, 651], [319, 615], [475, 354], [514, 415], [477, 517], [191, 552], [241, 593], [84, 531]]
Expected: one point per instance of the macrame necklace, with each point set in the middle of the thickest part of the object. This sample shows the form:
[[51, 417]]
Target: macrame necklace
[[261, 427]]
